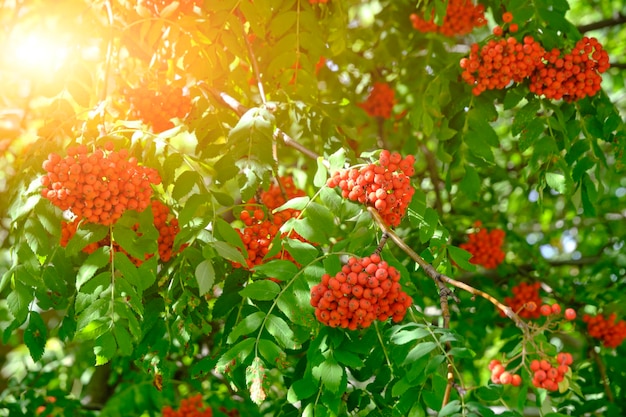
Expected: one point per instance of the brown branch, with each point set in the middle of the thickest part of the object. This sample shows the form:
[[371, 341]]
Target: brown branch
[[615, 20], [618, 65], [438, 276], [240, 109]]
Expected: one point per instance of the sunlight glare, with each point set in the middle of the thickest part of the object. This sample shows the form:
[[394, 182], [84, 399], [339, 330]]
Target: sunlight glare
[[38, 53]]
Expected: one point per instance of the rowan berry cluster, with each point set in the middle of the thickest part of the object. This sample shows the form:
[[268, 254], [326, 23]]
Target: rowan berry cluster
[[606, 329], [164, 222], [555, 75], [380, 101], [366, 289], [97, 187], [157, 107], [485, 246], [547, 375], [462, 16], [525, 300], [278, 193], [501, 62], [157, 6], [571, 76], [260, 231], [386, 186], [189, 407], [499, 374]]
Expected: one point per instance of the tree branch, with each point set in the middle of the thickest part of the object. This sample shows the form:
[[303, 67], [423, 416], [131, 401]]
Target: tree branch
[[615, 20], [240, 109], [438, 276]]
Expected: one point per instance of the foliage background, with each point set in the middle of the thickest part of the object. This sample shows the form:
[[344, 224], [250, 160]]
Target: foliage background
[[549, 173]]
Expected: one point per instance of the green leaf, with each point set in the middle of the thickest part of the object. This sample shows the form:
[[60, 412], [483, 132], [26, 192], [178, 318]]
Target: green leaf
[[303, 252], [36, 335], [302, 389], [421, 349], [470, 183], [461, 257], [530, 133], [271, 351], [296, 203], [123, 339], [238, 352], [18, 301], [91, 265], [279, 269], [93, 312], [556, 182], [450, 408], [431, 219], [348, 359], [86, 234], [489, 393], [105, 348], [330, 373], [321, 175], [256, 381], [228, 233], [524, 116], [279, 328], [337, 160], [249, 324], [184, 184], [227, 251], [263, 290], [402, 337], [205, 275]]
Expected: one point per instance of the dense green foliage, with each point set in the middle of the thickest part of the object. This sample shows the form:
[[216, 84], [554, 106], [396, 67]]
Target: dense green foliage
[[260, 90]]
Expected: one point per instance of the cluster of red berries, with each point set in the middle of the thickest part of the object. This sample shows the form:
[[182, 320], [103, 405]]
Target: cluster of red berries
[[366, 289], [163, 222], [574, 75], [525, 300], [604, 328], [386, 186], [500, 62], [157, 6], [189, 407], [157, 107], [552, 310], [278, 193], [97, 187], [380, 101], [485, 246], [503, 61], [499, 375], [260, 231], [548, 376], [462, 16]]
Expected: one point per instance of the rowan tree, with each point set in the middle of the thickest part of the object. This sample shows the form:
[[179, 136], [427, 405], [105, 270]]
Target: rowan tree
[[317, 208]]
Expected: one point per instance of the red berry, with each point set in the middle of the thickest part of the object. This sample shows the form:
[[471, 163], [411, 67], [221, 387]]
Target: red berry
[[570, 314]]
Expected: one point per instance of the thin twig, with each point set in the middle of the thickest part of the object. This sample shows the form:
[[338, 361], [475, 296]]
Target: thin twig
[[604, 379], [255, 65]]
